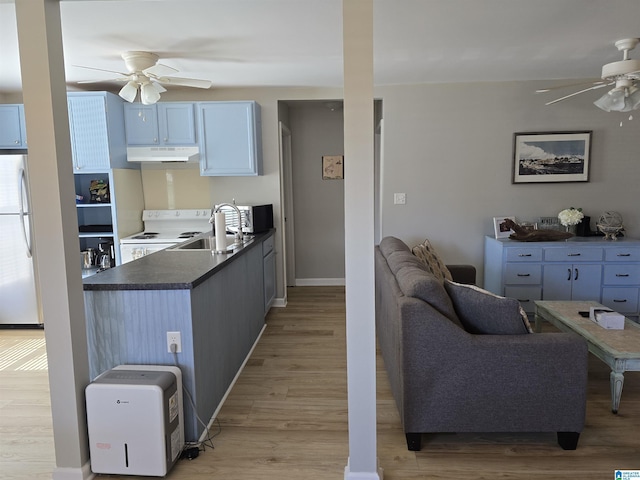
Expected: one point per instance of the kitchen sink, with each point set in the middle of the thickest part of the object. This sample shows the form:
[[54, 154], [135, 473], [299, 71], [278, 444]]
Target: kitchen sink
[[209, 243]]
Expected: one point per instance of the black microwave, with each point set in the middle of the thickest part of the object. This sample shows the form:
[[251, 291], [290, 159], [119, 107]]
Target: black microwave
[[255, 218]]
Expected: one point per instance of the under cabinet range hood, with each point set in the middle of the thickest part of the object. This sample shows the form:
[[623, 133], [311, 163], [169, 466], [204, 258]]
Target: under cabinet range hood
[[163, 154]]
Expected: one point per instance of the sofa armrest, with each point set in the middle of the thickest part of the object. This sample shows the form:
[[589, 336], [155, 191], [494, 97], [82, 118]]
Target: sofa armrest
[[463, 273]]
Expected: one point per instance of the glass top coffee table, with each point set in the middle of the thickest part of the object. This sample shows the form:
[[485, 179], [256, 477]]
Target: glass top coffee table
[[620, 349]]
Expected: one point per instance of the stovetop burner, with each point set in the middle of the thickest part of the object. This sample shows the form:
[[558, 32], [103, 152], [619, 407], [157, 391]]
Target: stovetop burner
[[188, 234], [145, 236]]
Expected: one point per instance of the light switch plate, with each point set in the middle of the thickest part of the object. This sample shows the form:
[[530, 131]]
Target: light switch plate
[[399, 198]]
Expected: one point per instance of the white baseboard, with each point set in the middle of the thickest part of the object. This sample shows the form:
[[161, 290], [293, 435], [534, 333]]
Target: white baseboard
[[65, 473], [279, 302], [320, 282]]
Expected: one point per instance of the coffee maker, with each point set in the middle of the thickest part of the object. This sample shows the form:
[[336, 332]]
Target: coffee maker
[[106, 257]]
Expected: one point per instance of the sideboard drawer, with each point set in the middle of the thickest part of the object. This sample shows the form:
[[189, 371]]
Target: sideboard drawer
[[525, 295], [622, 254], [524, 254], [621, 274], [573, 254], [622, 300], [523, 274]]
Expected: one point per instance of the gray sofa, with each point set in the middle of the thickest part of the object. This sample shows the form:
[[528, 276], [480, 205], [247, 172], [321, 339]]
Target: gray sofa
[[447, 379]]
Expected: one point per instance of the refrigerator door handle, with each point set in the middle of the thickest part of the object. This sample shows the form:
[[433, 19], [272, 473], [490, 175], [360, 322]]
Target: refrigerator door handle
[[22, 186]]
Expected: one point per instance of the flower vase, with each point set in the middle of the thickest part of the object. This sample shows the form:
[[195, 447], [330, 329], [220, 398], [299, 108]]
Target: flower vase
[[572, 229]]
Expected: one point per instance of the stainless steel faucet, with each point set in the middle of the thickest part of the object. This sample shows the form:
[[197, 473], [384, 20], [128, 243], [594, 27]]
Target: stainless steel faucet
[[239, 233]]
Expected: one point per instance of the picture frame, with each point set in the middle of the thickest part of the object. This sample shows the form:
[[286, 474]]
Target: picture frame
[[499, 229], [333, 167], [551, 157]]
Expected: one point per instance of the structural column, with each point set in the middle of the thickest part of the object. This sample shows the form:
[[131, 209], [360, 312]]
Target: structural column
[[359, 237], [55, 227]]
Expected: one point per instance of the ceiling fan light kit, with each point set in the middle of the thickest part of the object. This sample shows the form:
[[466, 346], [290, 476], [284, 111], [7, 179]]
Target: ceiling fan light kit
[[147, 75]]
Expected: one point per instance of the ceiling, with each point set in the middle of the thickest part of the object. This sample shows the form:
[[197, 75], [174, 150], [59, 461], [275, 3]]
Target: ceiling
[[299, 42]]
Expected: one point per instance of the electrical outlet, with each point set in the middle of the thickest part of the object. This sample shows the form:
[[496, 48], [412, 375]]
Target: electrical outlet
[[399, 198], [174, 337]]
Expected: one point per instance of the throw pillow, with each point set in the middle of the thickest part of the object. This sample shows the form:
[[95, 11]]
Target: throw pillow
[[428, 255], [483, 312]]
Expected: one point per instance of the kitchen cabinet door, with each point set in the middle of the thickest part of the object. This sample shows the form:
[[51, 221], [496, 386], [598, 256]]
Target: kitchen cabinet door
[[230, 139], [168, 123], [97, 132], [141, 124], [13, 133], [572, 282]]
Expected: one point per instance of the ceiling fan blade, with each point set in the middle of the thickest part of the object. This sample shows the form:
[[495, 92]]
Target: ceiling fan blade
[[595, 87], [185, 82], [102, 70], [568, 85], [159, 70], [119, 79]]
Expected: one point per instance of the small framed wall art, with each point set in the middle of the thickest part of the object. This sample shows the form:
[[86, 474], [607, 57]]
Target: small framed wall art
[[551, 157], [500, 229], [332, 167]]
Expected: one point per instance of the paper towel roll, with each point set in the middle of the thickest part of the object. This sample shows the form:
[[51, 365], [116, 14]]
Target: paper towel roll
[[221, 231]]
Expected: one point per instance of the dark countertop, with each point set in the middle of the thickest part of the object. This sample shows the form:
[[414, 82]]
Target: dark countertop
[[168, 269]]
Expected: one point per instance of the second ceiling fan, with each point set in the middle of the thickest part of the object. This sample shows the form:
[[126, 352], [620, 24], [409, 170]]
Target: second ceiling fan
[[623, 75]]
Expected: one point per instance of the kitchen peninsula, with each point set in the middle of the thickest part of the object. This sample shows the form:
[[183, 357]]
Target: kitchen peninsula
[[215, 301]]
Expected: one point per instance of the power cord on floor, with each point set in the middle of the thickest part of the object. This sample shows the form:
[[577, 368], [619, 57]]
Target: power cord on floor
[[191, 449]]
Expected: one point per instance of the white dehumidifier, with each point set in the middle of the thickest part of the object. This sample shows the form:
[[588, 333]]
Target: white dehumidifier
[[135, 420]]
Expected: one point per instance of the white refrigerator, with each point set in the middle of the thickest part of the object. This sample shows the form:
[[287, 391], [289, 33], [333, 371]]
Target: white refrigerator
[[18, 297]]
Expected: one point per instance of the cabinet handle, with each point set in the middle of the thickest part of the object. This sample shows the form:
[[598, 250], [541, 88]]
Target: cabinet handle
[[17, 142], [573, 254], [623, 255], [622, 274], [576, 277], [524, 274], [619, 301], [523, 300], [165, 139], [524, 254], [569, 274]]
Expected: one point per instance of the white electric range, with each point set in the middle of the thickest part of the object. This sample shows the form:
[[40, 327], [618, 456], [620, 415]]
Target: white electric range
[[162, 229]]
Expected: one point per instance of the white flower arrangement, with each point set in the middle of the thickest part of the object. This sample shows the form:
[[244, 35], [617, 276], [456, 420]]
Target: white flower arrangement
[[570, 216]]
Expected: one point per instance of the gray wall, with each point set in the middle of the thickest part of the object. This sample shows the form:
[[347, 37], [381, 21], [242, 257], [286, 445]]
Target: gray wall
[[449, 148], [318, 204]]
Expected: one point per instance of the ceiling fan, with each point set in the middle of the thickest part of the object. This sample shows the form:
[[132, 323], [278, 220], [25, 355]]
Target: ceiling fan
[[144, 73], [623, 75]]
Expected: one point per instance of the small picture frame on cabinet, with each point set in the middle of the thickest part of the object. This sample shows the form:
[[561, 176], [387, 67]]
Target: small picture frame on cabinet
[[500, 229]]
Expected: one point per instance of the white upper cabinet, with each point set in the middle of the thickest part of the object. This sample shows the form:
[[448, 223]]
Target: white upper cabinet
[[12, 127], [230, 138], [165, 123]]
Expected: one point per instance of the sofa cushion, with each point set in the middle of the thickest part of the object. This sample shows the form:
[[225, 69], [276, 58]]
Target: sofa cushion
[[482, 312], [415, 281], [428, 255]]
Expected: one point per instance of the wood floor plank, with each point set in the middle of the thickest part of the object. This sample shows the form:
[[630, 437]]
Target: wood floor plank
[[286, 419]]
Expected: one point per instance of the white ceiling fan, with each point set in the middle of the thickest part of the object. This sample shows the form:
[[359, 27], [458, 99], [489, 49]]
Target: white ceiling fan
[[147, 75], [623, 75]]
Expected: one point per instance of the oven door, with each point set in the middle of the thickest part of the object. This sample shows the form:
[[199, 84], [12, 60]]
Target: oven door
[[133, 251]]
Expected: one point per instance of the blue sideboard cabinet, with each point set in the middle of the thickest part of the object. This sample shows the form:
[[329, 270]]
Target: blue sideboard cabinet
[[13, 133], [96, 122], [582, 268], [230, 138], [165, 123]]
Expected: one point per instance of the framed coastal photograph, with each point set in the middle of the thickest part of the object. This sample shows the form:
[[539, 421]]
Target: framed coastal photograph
[[500, 229], [551, 157], [332, 167]]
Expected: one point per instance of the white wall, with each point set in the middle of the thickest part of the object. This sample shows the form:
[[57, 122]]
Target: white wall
[[449, 148]]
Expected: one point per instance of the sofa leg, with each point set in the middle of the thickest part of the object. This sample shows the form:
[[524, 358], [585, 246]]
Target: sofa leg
[[414, 441], [568, 440]]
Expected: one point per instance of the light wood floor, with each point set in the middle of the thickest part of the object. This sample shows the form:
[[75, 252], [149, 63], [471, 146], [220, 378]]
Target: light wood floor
[[286, 418]]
